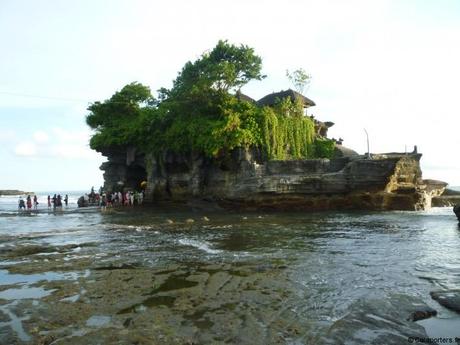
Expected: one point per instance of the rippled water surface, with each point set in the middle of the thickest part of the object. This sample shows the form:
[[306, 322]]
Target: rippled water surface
[[323, 261]]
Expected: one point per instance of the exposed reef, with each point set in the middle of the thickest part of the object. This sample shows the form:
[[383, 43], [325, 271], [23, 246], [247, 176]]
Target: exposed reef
[[390, 181]]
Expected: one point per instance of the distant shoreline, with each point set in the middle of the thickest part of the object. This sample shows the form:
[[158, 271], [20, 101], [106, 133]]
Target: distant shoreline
[[16, 192], [9, 192]]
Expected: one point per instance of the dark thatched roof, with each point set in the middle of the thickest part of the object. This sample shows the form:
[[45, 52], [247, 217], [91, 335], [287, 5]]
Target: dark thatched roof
[[242, 97], [275, 97]]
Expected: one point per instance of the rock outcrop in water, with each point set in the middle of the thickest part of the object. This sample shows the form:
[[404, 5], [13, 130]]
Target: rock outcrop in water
[[244, 180], [380, 321], [448, 298], [457, 211]]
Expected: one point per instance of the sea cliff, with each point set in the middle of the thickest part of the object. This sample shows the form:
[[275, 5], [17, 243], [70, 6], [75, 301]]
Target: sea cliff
[[244, 180]]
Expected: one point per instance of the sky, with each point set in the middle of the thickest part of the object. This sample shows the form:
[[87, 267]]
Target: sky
[[390, 67]]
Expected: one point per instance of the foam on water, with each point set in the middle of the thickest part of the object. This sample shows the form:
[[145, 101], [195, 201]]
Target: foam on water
[[202, 245]]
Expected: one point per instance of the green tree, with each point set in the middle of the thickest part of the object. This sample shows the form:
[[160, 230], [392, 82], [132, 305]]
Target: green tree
[[299, 78], [224, 68], [201, 114], [122, 119]]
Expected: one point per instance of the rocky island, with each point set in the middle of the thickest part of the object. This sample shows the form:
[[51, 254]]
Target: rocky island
[[385, 182], [201, 139]]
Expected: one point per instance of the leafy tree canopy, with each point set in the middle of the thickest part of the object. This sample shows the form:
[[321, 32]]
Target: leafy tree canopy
[[119, 120], [201, 114], [224, 68]]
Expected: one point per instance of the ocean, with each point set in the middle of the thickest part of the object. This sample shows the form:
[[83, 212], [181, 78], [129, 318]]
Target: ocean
[[167, 275], [10, 203]]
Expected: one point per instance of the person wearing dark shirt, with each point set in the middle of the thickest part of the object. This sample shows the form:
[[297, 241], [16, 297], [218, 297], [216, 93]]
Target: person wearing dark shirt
[[22, 204]]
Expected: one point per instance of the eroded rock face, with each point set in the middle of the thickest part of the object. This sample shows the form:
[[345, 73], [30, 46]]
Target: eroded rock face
[[125, 169], [245, 180]]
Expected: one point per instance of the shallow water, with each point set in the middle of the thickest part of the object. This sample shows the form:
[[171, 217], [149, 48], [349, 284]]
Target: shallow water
[[322, 262]]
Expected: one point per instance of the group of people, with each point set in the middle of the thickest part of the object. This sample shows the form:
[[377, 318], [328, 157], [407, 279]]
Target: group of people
[[22, 204], [109, 199], [128, 198], [55, 202], [102, 199]]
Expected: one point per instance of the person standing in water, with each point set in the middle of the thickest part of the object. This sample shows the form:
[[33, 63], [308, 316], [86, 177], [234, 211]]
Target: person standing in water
[[35, 202], [66, 200], [29, 202], [49, 201], [22, 204], [103, 203], [58, 202]]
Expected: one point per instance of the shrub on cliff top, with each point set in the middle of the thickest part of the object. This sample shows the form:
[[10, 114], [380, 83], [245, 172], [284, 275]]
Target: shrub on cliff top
[[324, 148]]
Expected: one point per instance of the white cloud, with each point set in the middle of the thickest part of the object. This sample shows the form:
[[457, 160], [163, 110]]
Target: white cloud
[[60, 143], [41, 136], [74, 151], [65, 136], [27, 149]]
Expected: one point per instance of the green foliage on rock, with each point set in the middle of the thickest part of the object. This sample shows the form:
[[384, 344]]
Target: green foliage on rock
[[324, 148], [200, 113], [225, 126], [285, 132]]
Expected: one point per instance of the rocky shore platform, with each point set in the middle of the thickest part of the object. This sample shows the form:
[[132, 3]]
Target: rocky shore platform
[[89, 299]]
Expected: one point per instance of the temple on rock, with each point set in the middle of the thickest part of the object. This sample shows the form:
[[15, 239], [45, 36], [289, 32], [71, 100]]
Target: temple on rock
[[202, 140], [247, 180]]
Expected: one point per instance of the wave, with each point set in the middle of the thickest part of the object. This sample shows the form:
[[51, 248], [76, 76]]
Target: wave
[[121, 227], [202, 245]]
